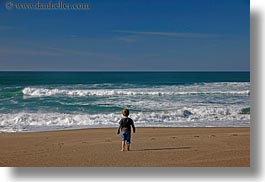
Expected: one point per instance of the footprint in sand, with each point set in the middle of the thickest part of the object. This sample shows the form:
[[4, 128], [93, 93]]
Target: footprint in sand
[[234, 134], [213, 135], [173, 137], [196, 136], [153, 139], [60, 144], [108, 140]]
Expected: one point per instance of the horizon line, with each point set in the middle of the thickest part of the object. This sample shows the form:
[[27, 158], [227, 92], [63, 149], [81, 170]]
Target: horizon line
[[124, 70]]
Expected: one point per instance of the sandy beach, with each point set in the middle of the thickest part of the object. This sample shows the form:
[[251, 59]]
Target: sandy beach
[[156, 147]]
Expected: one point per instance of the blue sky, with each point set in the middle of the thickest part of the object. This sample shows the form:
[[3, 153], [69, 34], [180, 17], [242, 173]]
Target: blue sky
[[168, 35]]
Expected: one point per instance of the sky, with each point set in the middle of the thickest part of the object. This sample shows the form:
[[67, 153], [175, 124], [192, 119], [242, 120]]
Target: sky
[[127, 35]]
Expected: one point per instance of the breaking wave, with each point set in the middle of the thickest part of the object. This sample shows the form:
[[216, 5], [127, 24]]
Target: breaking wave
[[202, 116], [206, 89]]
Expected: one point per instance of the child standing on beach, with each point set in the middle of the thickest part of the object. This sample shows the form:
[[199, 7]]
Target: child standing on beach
[[125, 129]]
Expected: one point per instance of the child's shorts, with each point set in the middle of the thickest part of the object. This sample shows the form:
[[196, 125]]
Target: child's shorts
[[126, 136]]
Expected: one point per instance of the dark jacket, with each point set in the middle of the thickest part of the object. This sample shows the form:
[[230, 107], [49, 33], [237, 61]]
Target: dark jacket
[[125, 125]]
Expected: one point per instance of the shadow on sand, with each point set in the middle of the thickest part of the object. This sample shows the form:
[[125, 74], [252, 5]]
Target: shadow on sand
[[158, 149]]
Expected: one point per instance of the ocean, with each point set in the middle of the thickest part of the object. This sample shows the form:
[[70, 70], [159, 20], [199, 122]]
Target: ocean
[[42, 101]]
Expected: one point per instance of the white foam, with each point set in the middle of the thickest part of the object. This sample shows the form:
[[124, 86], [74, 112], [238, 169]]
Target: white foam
[[236, 88], [202, 116]]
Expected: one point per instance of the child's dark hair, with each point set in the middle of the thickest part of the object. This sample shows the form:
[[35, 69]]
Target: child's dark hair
[[125, 112]]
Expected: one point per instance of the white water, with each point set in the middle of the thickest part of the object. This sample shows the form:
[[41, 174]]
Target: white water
[[226, 88], [202, 117], [42, 108]]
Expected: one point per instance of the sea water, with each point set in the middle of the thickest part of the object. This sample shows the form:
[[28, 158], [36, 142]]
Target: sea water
[[40, 101]]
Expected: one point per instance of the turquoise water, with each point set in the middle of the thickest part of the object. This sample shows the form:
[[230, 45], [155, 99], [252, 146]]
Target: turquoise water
[[32, 101]]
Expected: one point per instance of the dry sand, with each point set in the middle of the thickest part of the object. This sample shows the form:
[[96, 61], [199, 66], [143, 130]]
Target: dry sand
[[150, 147]]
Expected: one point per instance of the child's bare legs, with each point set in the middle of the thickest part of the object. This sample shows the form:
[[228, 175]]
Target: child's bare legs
[[122, 145]]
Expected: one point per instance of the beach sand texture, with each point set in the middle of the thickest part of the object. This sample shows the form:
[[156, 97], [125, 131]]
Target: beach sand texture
[[151, 147]]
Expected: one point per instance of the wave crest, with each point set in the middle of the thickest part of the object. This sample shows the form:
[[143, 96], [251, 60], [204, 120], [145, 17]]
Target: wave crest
[[200, 116], [45, 92]]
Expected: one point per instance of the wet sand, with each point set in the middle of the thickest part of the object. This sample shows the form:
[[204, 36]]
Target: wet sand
[[191, 147]]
